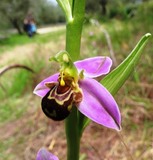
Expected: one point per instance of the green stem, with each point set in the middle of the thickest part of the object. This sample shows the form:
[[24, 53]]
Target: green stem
[[73, 139], [73, 41], [74, 29], [72, 33]]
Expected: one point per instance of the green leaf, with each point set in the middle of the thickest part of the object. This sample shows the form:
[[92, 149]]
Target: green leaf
[[66, 7], [114, 80]]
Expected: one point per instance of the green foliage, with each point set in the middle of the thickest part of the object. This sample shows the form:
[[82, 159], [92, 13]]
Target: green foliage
[[49, 13], [12, 89], [120, 74], [92, 6], [16, 83], [147, 10], [13, 84], [14, 12], [121, 9]]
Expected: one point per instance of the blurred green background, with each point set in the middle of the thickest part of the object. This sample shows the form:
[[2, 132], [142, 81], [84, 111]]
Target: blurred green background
[[23, 126]]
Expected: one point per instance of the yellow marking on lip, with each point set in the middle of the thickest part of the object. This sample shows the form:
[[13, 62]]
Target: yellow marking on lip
[[60, 102], [62, 82]]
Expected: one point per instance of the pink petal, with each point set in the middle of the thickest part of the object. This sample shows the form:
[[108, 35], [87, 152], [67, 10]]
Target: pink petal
[[94, 67], [99, 105], [43, 154], [41, 89]]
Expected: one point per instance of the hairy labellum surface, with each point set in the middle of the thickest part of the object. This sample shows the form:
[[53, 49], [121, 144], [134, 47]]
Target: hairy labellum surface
[[57, 103]]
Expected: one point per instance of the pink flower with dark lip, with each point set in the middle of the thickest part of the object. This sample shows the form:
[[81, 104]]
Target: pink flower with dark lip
[[96, 103]]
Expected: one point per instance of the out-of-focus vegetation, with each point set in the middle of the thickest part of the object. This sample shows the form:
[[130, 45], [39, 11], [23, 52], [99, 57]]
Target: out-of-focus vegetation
[[120, 9], [24, 128], [14, 12], [46, 12]]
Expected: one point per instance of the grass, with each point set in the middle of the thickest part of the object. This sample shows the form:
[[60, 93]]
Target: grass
[[24, 127], [18, 40], [13, 107], [17, 83]]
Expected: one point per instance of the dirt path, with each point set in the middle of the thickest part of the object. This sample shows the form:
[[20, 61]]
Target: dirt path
[[44, 30]]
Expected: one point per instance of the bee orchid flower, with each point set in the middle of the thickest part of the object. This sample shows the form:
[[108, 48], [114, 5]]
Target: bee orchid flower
[[76, 85], [43, 154]]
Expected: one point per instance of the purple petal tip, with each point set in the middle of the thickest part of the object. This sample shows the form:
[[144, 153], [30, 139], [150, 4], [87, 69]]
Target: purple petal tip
[[99, 105]]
